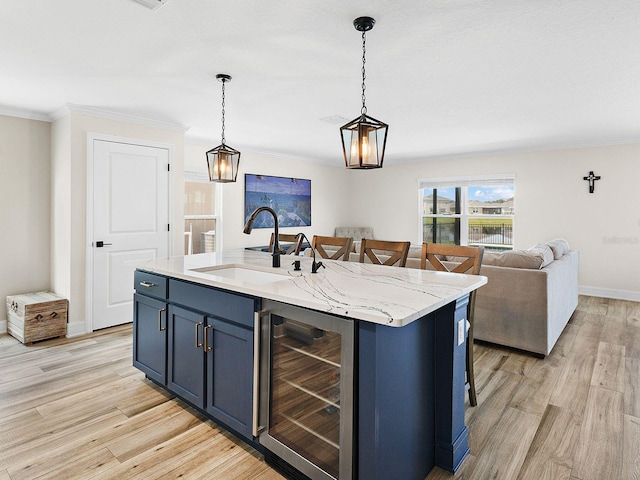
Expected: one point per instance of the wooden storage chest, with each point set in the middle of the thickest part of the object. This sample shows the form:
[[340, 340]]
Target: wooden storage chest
[[36, 316]]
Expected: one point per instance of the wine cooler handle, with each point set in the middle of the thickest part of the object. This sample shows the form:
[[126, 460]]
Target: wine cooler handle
[[256, 428]]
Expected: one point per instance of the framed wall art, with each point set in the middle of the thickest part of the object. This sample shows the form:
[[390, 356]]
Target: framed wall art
[[289, 197]]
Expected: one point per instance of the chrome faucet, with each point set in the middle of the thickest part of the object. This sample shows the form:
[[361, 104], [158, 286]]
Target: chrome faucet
[[276, 245]]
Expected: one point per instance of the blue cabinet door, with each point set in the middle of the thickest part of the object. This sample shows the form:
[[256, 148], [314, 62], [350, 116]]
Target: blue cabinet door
[[150, 337], [230, 375], [186, 355], [199, 343]]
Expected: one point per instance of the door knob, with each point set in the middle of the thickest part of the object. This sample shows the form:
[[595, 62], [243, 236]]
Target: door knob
[[102, 244]]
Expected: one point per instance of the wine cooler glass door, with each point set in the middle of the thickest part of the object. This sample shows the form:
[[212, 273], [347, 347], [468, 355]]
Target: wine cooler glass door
[[310, 393]]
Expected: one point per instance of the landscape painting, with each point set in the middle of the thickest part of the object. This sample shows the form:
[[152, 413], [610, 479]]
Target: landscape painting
[[290, 198]]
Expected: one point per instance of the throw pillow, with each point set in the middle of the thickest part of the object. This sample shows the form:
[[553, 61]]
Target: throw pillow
[[559, 247], [545, 250]]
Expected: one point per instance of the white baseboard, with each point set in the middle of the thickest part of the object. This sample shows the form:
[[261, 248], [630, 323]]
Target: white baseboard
[[75, 329], [609, 293]]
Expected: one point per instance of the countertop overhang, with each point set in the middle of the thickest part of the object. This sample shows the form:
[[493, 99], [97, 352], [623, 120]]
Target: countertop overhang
[[374, 293]]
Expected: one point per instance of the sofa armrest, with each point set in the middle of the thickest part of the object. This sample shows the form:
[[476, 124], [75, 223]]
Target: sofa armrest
[[511, 309], [526, 308]]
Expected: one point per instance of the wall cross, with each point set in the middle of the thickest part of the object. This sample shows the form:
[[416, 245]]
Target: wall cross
[[592, 180]]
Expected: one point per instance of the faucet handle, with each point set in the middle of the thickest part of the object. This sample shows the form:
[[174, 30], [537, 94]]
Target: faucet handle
[[315, 266]]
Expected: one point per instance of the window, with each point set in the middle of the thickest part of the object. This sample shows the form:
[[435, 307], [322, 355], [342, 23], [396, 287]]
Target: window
[[468, 211], [199, 216]]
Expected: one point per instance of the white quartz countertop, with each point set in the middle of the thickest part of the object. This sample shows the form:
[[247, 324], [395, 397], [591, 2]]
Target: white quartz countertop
[[374, 293]]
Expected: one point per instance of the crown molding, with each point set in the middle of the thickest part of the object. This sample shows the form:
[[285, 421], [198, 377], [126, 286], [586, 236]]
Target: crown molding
[[27, 114], [118, 116], [510, 150]]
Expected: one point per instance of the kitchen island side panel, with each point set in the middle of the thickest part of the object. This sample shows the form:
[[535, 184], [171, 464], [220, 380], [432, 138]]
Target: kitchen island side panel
[[452, 435], [396, 432]]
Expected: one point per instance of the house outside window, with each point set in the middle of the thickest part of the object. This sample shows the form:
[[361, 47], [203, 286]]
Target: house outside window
[[468, 211]]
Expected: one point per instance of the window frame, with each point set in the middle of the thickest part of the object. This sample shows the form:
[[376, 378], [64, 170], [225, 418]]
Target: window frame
[[463, 184]]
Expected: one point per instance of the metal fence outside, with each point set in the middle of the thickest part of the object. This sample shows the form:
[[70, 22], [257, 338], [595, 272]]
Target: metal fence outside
[[499, 235]]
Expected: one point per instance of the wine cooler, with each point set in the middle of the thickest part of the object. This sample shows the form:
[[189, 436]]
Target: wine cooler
[[306, 392]]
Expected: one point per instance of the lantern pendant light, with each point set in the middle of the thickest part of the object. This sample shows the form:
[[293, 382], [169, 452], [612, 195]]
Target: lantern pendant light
[[364, 138], [223, 161]]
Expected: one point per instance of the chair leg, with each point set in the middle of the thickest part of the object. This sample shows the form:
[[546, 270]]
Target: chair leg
[[473, 400]]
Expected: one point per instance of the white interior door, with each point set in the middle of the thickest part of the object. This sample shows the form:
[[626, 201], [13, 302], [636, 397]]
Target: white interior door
[[130, 223]]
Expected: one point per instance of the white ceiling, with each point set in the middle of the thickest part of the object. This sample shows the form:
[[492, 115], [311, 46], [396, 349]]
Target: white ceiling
[[449, 77]]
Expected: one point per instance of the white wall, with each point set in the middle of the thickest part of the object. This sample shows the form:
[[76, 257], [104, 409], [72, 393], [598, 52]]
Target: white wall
[[552, 200], [329, 198], [61, 190], [329, 194], [25, 214], [69, 151]]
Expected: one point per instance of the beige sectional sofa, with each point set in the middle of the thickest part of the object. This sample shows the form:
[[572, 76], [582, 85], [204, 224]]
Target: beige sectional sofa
[[529, 298]]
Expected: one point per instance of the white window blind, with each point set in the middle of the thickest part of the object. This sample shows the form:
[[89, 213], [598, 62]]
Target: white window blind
[[477, 180]]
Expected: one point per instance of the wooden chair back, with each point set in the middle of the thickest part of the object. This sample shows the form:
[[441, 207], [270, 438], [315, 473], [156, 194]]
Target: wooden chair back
[[471, 257], [291, 244], [344, 243], [397, 252], [470, 262]]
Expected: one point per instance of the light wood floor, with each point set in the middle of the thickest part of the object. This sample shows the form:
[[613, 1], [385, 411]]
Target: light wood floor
[[574, 415], [76, 408]]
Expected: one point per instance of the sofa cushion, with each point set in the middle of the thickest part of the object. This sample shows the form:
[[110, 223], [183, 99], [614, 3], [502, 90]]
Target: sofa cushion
[[559, 247], [515, 259]]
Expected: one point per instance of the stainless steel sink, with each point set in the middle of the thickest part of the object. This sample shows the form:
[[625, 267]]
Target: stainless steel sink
[[244, 274]]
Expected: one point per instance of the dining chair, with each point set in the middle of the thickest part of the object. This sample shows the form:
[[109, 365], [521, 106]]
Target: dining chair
[[343, 243], [396, 251], [463, 259], [292, 243]]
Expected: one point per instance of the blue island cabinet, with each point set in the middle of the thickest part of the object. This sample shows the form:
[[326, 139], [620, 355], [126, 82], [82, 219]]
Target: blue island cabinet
[[205, 344], [200, 343]]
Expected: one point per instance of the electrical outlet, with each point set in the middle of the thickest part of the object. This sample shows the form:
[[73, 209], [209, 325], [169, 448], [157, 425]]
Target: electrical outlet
[[461, 325]]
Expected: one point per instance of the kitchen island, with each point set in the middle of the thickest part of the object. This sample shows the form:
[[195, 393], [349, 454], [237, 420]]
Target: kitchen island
[[209, 328]]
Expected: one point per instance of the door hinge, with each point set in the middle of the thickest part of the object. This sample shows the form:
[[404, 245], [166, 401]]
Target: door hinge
[[168, 227], [168, 167]]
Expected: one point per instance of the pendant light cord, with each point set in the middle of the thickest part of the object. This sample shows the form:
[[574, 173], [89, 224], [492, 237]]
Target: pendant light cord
[[363, 110], [223, 82]]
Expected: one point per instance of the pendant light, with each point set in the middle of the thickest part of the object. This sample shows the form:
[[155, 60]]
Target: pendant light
[[364, 138], [223, 160]]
